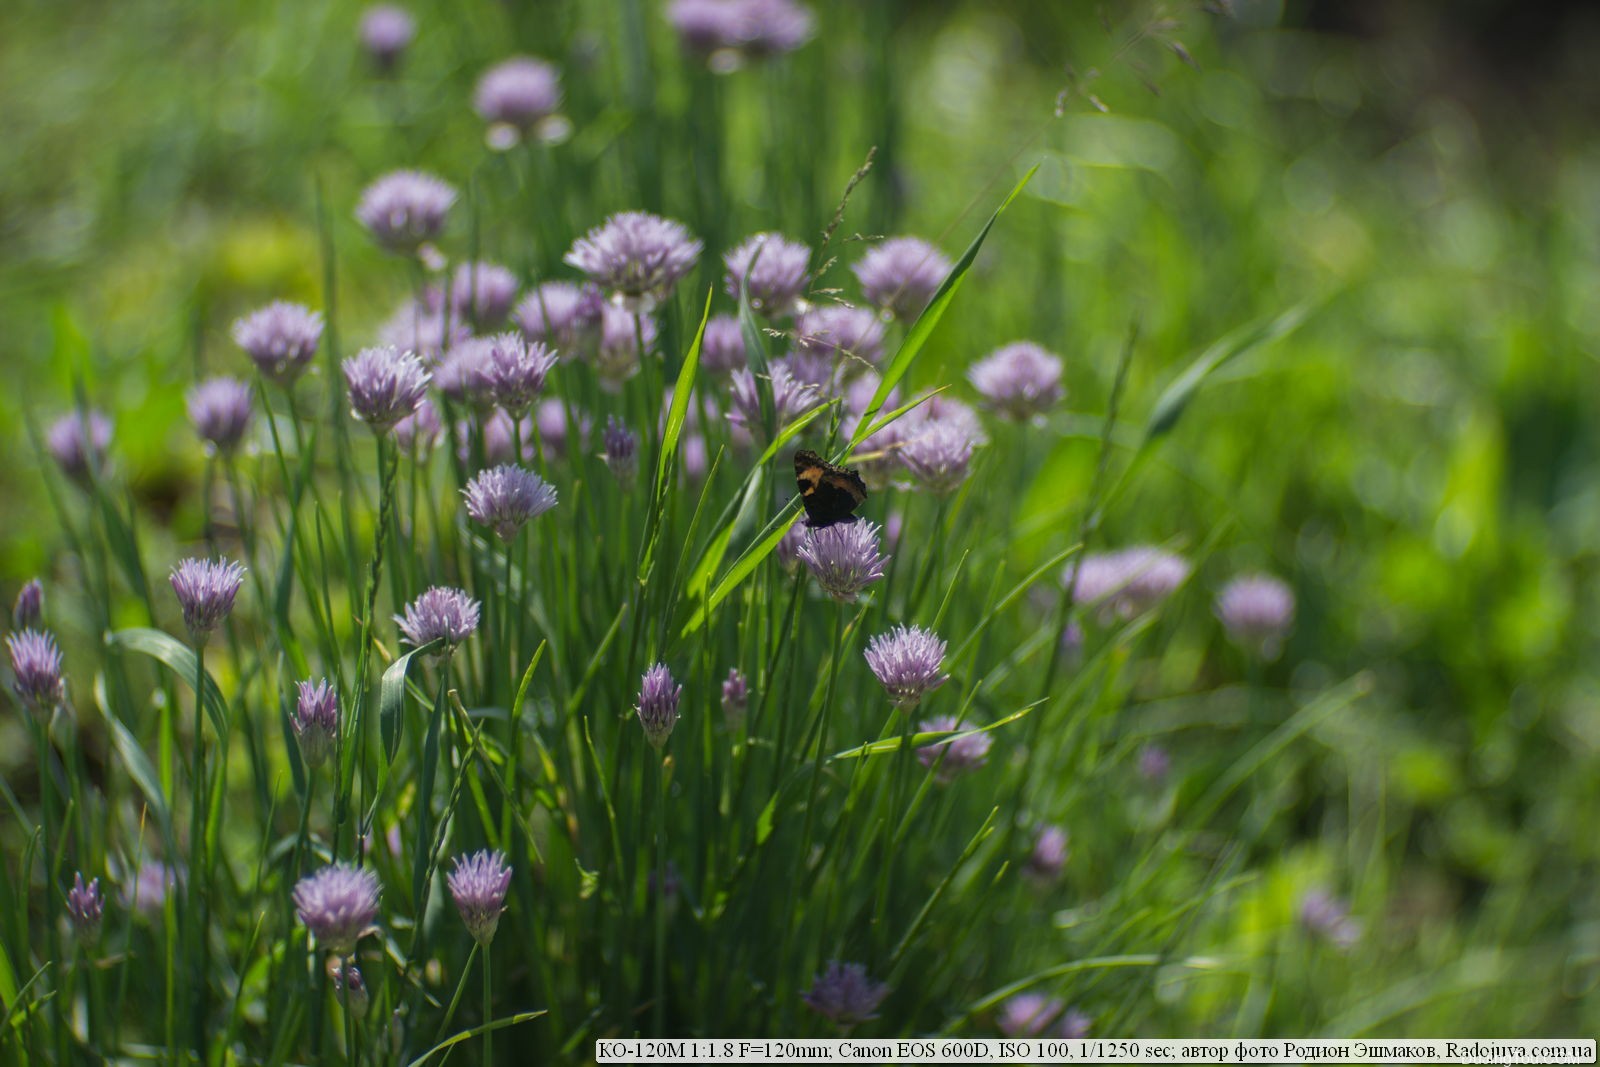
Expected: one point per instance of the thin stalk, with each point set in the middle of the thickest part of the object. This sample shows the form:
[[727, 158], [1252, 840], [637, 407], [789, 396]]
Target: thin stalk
[[488, 1001], [199, 902]]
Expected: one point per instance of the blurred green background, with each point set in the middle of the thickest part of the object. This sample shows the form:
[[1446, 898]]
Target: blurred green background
[[1417, 457]]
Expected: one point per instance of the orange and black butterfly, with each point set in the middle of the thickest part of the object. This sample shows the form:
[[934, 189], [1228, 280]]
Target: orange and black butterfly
[[829, 493]]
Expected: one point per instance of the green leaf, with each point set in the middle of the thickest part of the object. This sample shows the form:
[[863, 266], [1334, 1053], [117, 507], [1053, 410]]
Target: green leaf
[[679, 411], [892, 744], [467, 1035], [392, 697], [179, 659], [134, 759]]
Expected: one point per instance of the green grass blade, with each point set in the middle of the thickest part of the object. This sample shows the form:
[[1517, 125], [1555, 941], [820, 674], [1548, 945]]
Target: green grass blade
[[179, 659]]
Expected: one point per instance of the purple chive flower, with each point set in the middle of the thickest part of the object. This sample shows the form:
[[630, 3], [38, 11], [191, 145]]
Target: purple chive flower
[[735, 696], [907, 660], [901, 275], [439, 613], [463, 374], [844, 557], [952, 757], [205, 590], [508, 497], [722, 348], [337, 904], [281, 339], [28, 609], [151, 884], [386, 32], [1257, 611], [726, 33], [479, 883], [1019, 381], [658, 704], [550, 422], [315, 721], [775, 268], [791, 397], [483, 293], [1074, 1025], [86, 907], [36, 663], [516, 95], [850, 339], [618, 357], [424, 327], [515, 370], [561, 314], [1154, 763], [1029, 1014], [221, 410], [1326, 916], [342, 973], [695, 457], [405, 209], [621, 450], [937, 453], [419, 431], [788, 548], [78, 442], [1048, 857], [639, 257], [385, 385], [845, 995], [1126, 582]]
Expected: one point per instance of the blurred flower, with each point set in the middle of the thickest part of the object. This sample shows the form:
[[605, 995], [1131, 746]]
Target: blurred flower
[[1019, 380], [515, 370], [385, 385], [419, 431], [959, 754], [843, 557], [424, 326], [78, 442], [281, 339], [221, 410], [151, 884], [639, 257], [619, 356], [1126, 582], [775, 268], [405, 208], [621, 450], [845, 995], [28, 609], [1048, 858], [483, 293], [693, 455], [1154, 763], [1257, 611], [722, 347], [1326, 916], [205, 590], [342, 973], [36, 664], [561, 314], [725, 33], [439, 613], [86, 907], [907, 661], [901, 275], [386, 32], [845, 338], [791, 397], [788, 548], [735, 696], [1029, 1014], [550, 419], [315, 721], [506, 498], [463, 374], [658, 704], [1074, 1025], [514, 96], [479, 883], [337, 904], [937, 453]]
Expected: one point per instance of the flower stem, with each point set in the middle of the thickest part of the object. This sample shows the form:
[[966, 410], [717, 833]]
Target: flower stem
[[488, 1001]]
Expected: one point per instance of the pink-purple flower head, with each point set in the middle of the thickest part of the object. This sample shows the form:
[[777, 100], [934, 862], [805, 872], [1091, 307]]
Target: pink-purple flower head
[[221, 410], [514, 371], [561, 314], [86, 909], [315, 721], [424, 326], [281, 339], [151, 884], [419, 431], [771, 269], [386, 31], [78, 442], [621, 450], [735, 696], [907, 661], [727, 33], [1328, 917], [1048, 857], [791, 397], [36, 669], [406, 209], [937, 454], [843, 557], [618, 356], [337, 904], [1029, 1014], [788, 547], [1126, 582], [506, 498], [722, 348], [953, 756], [478, 884], [439, 614], [901, 275], [385, 385], [637, 257], [847, 338], [1257, 611], [1019, 381], [1155, 763], [518, 93], [205, 589], [29, 606], [658, 704], [845, 994], [482, 293]]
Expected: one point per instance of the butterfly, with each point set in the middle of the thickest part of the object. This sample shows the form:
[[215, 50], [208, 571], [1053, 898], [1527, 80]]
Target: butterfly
[[829, 493]]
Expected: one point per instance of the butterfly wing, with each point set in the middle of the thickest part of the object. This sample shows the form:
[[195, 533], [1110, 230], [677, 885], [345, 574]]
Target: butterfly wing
[[830, 494]]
